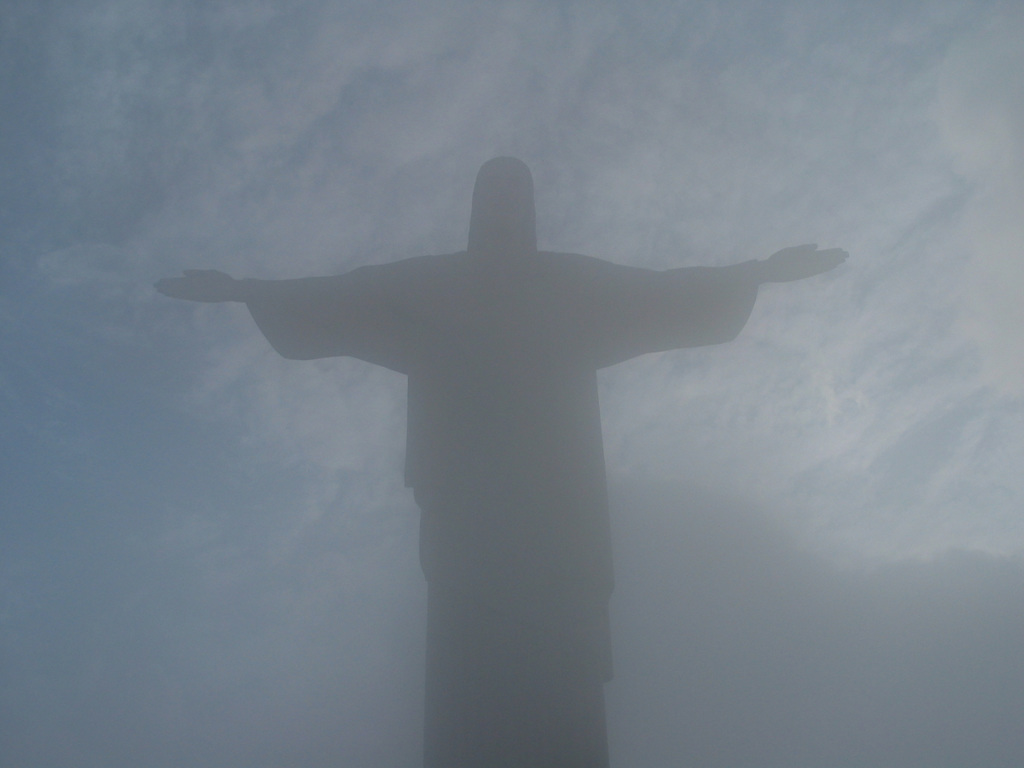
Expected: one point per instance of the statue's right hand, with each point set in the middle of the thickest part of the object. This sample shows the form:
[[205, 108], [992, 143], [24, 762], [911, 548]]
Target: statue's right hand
[[201, 285], [800, 261]]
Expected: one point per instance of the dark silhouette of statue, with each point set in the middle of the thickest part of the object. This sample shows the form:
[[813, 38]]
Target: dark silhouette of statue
[[501, 344]]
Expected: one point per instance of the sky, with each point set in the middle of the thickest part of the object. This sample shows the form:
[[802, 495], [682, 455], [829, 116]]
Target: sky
[[207, 556]]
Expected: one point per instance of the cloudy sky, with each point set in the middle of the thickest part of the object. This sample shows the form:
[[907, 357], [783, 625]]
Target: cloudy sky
[[207, 556]]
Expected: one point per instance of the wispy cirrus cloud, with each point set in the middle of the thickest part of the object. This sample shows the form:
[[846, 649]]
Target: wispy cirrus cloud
[[219, 539]]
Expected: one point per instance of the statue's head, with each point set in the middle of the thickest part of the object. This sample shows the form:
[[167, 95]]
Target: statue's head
[[503, 221]]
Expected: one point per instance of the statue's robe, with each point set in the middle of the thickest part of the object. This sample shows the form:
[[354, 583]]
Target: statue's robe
[[505, 459]]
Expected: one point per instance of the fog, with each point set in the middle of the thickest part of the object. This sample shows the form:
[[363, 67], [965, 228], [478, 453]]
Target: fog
[[207, 555]]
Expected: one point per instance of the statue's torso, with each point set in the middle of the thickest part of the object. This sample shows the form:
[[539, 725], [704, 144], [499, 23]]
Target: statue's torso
[[504, 444]]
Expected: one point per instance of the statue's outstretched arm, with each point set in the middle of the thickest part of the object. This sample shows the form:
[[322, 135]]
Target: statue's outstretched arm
[[646, 311], [310, 317]]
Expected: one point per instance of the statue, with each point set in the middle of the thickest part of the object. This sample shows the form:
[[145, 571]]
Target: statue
[[501, 344]]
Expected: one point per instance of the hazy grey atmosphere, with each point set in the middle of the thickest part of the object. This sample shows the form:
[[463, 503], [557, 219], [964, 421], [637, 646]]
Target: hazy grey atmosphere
[[207, 555]]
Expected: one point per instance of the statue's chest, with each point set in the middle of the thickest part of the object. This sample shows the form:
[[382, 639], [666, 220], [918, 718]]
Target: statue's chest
[[506, 326]]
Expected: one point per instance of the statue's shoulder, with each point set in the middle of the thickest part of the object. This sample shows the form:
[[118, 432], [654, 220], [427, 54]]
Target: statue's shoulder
[[433, 261], [442, 263], [432, 264], [577, 260], [579, 266], [415, 269]]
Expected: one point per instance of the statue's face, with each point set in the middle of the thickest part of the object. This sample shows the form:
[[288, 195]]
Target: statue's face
[[503, 220]]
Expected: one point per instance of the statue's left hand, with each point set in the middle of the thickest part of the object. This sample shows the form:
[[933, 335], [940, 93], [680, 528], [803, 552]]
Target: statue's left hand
[[800, 261], [201, 285]]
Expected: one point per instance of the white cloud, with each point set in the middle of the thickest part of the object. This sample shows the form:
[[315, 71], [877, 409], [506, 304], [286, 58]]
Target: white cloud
[[734, 647], [306, 143], [275, 143], [981, 111]]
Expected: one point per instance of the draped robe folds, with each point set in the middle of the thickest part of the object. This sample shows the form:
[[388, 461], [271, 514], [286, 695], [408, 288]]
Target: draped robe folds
[[505, 458]]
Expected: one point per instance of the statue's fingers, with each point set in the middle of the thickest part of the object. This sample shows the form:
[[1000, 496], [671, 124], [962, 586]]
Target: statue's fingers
[[830, 259], [800, 251], [795, 251], [170, 286]]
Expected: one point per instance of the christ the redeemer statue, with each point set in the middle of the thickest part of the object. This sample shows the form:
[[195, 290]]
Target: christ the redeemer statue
[[501, 344]]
